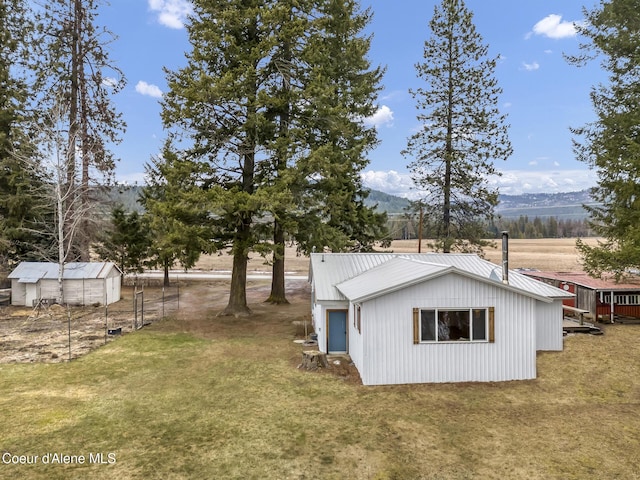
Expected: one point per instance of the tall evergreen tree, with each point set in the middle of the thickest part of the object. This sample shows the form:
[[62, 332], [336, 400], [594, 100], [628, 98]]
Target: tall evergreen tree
[[611, 144], [180, 223], [462, 130], [73, 68], [264, 92], [327, 88], [17, 207], [126, 241]]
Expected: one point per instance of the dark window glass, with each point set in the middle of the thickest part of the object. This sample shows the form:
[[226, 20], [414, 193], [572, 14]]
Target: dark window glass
[[427, 320], [479, 324]]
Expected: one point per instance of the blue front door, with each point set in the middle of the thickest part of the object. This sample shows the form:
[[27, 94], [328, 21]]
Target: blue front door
[[337, 331]]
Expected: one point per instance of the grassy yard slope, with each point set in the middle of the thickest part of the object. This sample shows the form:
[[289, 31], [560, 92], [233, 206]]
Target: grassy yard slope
[[210, 397]]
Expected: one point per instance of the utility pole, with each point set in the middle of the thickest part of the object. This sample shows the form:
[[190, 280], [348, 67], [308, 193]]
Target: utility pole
[[420, 229]]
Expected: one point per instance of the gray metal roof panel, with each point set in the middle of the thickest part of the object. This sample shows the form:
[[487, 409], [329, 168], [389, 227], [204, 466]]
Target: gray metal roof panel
[[393, 275], [31, 272], [330, 270]]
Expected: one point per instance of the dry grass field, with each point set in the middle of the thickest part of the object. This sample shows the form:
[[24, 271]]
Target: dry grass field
[[557, 254]]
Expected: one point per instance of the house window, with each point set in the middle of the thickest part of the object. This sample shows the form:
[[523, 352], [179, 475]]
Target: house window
[[453, 325], [358, 318], [621, 299]]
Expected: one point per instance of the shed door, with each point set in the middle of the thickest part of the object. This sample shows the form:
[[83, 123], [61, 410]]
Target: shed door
[[337, 331], [31, 295]]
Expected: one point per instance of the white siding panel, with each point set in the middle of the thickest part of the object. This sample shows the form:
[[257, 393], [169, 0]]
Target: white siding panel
[[73, 292], [18, 293], [114, 285], [49, 289], [355, 337], [318, 328], [390, 357], [549, 326], [32, 294], [93, 291]]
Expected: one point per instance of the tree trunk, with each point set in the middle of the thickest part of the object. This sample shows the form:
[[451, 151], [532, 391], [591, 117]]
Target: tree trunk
[[314, 359], [237, 305], [278, 293], [83, 238], [166, 274]]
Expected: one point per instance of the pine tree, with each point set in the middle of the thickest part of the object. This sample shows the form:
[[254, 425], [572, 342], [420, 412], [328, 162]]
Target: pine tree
[[276, 120], [328, 87], [180, 224], [73, 68], [127, 241], [462, 130], [611, 144]]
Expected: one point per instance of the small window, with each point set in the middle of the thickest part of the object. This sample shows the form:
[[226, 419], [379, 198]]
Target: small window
[[358, 318], [454, 325]]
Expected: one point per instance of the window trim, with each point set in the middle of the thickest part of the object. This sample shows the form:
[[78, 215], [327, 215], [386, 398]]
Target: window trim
[[490, 326]]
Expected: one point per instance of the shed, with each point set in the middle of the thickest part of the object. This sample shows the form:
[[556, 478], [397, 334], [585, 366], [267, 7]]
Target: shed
[[423, 318], [601, 297], [84, 283]]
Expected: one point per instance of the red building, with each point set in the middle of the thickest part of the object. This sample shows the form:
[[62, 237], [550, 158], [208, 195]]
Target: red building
[[600, 297]]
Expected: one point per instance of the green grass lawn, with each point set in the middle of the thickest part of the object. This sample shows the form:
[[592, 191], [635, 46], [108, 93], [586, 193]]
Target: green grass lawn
[[173, 401]]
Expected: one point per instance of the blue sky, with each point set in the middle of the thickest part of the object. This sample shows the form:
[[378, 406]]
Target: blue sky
[[542, 94]]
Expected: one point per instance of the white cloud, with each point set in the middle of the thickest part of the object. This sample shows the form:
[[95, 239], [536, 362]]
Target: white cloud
[[530, 67], [391, 182], [515, 182], [135, 178], [171, 13], [552, 26], [150, 90], [384, 116], [512, 182]]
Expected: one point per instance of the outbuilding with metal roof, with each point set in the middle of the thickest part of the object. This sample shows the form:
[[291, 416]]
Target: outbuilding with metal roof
[[84, 283]]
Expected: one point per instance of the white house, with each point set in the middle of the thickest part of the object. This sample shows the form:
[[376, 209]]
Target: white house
[[422, 318], [84, 283]]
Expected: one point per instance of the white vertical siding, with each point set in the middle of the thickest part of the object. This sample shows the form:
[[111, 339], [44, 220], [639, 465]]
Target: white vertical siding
[[87, 291], [73, 291], [113, 286], [549, 326], [390, 357], [18, 293], [355, 336], [32, 293], [49, 289], [93, 291], [318, 327]]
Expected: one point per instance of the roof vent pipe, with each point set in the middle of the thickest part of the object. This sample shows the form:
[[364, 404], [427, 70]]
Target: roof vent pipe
[[505, 257]]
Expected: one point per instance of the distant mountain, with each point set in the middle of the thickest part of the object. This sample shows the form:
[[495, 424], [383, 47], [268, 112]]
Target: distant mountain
[[385, 202], [564, 205], [545, 199]]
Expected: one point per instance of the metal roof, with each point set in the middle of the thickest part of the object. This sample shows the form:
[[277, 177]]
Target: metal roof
[[32, 272], [583, 279], [326, 270], [338, 276], [393, 275]]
